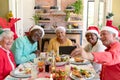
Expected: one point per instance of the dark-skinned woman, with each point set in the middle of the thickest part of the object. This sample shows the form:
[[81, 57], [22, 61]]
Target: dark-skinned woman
[[25, 48], [94, 44]]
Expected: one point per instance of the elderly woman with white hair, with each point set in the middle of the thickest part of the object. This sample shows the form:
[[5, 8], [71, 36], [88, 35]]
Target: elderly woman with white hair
[[7, 61], [25, 47], [59, 40]]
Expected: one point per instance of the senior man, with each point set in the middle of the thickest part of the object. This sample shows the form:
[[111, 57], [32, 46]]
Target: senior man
[[110, 58]]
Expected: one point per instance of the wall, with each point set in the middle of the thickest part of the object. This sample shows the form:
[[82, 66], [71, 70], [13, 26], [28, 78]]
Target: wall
[[3, 8], [116, 11], [58, 19], [24, 9], [63, 4], [28, 11]]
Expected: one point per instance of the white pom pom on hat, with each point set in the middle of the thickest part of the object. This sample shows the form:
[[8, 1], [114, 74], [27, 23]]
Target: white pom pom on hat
[[93, 29], [37, 27], [60, 28], [112, 29]]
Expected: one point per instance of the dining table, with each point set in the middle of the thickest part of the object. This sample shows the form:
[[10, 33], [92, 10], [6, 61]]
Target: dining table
[[43, 75]]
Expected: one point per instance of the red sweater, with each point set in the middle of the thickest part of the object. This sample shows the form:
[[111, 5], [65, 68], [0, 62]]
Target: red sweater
[[5, 65], [110, 61]]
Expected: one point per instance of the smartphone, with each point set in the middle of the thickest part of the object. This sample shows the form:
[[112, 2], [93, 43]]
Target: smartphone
[[66, 49]]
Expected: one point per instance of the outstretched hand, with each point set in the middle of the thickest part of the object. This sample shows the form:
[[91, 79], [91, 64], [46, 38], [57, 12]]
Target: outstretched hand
[[76, 52], [81, 52]]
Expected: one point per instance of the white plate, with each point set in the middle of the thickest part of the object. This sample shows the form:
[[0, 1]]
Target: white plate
[[60, 63], [42, 79], [57, 63], [83, 78], [19, 74], [72, 61], [74, 77]]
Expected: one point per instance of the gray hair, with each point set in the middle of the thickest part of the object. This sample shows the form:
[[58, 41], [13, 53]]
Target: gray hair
[[60, 28], [6, 33], [112, 33]]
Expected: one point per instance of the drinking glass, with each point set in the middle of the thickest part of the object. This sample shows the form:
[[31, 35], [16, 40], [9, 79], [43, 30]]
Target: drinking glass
[[43, 56], [36, 60], [41, 65], [34, 72], [67, 69]]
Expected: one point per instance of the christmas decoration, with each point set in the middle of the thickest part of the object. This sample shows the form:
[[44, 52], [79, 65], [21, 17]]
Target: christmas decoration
[[9, 25]]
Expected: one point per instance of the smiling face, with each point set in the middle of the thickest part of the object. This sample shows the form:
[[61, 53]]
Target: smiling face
[[91, 38], [60, 34], [107, 37], [35, 35], [7, 42]]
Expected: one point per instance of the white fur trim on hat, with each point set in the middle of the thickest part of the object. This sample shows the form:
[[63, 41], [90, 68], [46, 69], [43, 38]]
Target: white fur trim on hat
[[60, 28], [6, 29], [38, 27], [107, 28], [92, 31]]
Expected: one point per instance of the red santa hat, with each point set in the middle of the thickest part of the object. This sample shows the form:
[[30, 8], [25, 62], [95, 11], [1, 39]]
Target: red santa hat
[[93, 29], [112, 29], [37, 27]]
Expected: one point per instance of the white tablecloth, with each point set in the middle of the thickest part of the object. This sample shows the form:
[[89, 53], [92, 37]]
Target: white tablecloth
[[88, 67]]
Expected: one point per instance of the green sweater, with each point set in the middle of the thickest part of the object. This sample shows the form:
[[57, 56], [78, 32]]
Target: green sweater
[[23, 50]]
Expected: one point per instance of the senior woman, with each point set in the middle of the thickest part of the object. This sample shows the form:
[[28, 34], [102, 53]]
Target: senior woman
[[25, 47], [94, 44], [7, 62], [59, 40]]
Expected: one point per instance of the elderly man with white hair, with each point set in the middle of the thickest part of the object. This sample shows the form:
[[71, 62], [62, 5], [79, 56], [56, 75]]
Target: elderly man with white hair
[[110, 58], [25, 47], [59, 40]]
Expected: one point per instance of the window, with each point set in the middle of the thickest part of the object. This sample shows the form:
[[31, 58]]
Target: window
[[90, 19], [101, 18], [96, 13]]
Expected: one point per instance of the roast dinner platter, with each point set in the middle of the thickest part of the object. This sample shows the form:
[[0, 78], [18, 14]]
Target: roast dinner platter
[[22, 71], [60, 60], [77, 74], [78, 61], [42, 79]]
